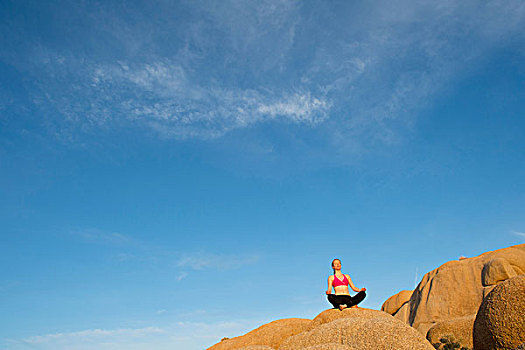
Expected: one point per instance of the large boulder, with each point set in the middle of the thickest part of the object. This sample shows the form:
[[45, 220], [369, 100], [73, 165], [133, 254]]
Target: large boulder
[[271, 335], [458, 329], [456, 288], [396, 301], [359, 334], [500, 321], [335, 314], [404, 312], [497, 270], [328, 346], [445, 297]]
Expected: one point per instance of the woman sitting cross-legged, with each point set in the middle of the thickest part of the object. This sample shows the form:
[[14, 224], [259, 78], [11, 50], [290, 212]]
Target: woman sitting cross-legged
[[340, 282]]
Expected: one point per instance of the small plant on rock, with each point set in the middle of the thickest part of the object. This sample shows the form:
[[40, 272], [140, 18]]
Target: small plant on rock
[[449, 342]]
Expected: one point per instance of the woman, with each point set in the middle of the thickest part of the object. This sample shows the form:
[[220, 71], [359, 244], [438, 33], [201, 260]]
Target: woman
[[340, 282]]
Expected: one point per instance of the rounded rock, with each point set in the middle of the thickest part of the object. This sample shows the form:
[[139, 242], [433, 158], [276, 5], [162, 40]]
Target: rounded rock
[[271, 335], [335, 314], [459, 328], [329, 346], [500, 321], [356, 333], [495, 271], [396, 301]]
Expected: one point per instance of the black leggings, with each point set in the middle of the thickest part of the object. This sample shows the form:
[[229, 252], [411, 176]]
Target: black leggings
[[347, 300]]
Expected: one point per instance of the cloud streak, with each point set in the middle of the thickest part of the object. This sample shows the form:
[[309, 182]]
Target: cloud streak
[[358, 75], [518, 233], [160, 97], [205, 261], [103, 237], [94, 334], [181, 335]]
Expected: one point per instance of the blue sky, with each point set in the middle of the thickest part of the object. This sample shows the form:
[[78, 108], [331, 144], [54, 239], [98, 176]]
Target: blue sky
[[172, 173]]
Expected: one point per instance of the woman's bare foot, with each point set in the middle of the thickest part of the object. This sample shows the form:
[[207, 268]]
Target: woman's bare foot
[[342, 306]]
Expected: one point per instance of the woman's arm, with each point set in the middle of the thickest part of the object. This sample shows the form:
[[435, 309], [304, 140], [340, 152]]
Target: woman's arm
[[352, 285], [330, 281]]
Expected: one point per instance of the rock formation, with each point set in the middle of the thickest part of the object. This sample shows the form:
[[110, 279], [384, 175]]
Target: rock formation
[[497, 270], [335, 314], [444, 304], [457, 329], [270, 335], [457, 288], [359, 334], [396, 301], [500, 322], [328, 346], [350, 329]]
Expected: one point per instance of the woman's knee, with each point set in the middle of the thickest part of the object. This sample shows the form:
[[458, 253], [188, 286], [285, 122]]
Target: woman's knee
[[360, 297]]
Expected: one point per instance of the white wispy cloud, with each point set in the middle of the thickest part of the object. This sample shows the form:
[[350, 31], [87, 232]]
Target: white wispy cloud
[[188, 335], [518, 233], [202, 261], [298, 108], [94, 235], [94, 334], [182, 275], [160, 97], [234, 65]]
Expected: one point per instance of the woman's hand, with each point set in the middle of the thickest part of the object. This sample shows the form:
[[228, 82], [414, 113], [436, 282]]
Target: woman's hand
[[363, 290], [328, 292]]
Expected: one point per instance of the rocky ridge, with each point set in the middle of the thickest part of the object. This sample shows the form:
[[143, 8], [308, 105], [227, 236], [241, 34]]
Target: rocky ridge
[[457, 288], [445, 303], [350, 329]]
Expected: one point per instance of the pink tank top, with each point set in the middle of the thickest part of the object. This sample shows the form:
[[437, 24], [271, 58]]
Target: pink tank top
[[337, 282]]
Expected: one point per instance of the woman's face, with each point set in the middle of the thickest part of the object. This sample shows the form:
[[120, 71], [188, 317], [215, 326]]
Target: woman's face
[[336, 265]]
